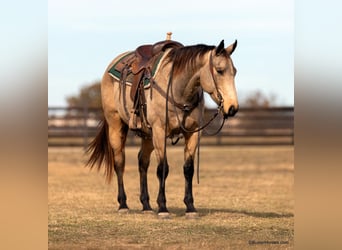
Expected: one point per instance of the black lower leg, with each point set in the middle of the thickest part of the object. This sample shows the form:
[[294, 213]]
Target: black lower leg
[[188, 174], [122, 202], [162, 173], [144, 196], [121, 190], [122, 197]]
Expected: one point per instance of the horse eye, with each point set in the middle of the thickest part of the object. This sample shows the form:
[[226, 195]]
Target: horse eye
[[220, 71]]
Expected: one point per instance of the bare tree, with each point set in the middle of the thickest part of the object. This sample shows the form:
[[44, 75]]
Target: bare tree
[[259, 99], [89, 95], [88, 98]]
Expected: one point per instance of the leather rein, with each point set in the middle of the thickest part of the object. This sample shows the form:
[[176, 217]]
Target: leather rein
[[186, 108]]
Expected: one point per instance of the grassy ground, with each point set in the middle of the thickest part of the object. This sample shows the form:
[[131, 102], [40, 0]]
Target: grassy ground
[[245, 199]]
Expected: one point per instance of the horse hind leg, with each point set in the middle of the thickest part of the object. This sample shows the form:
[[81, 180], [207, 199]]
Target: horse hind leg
[[144, 162], [108, 148], [117, 135]]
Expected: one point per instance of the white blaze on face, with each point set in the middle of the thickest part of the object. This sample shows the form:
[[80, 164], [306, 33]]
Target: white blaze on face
[[230, 98], [229, 91]]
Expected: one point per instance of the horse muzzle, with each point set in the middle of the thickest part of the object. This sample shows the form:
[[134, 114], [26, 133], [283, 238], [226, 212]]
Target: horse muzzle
[[231, 112]]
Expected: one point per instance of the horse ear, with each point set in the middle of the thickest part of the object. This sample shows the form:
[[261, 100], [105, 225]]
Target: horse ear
[[230, 49], [219, 48]]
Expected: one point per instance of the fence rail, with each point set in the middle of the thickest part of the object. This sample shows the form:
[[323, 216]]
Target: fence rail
[[76, 126]]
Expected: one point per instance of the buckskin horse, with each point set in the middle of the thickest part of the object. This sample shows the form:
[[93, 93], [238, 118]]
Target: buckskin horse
[[170, 104]]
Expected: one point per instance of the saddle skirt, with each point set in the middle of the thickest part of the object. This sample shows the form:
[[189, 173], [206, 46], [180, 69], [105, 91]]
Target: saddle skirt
[[125, 61], [146, 56]]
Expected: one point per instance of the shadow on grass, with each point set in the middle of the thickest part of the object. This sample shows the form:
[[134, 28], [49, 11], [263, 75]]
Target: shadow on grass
[[178, 212], [206, 211], [249, 213]]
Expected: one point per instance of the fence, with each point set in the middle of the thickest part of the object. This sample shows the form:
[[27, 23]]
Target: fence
[[250, 126]]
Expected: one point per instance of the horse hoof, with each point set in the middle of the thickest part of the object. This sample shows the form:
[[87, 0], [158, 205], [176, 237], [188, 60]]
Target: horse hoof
[[148, 212], [123, 211], [192, 215], [164, 215]]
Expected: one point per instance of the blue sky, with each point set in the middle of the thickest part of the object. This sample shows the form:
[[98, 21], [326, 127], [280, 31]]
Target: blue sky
[[84, 36]]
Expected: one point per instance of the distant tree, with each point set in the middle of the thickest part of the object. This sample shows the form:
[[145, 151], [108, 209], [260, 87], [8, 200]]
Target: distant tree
[[259, 99], [89, 95]]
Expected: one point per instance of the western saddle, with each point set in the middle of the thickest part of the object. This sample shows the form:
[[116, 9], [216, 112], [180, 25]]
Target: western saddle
[[140, 64]]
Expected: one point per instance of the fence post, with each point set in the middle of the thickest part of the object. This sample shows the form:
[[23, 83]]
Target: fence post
[[85, 118], [219, 138]]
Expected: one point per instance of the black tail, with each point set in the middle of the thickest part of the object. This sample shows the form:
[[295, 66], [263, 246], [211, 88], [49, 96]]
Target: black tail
[[101, 152]]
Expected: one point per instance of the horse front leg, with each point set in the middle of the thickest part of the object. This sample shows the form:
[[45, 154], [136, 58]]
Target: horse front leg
[[162, 169], [188, 168], [162, 173], [144, 162]]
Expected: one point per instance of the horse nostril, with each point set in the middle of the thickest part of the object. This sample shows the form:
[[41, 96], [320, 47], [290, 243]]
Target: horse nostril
[[232, 111]]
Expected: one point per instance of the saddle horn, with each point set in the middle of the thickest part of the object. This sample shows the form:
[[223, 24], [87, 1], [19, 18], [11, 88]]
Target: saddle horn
[[168, 35]]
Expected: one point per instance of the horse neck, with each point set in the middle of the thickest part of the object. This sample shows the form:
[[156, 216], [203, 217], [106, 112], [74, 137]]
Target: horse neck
[[186, 84]]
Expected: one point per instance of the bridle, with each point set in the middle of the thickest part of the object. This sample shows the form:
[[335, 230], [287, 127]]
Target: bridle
[[211, 69], [219, 108]]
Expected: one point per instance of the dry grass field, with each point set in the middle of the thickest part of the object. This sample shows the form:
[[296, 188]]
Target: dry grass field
[[245, 200]]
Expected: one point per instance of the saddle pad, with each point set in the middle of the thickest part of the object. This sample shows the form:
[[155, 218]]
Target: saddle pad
[[115, 70]]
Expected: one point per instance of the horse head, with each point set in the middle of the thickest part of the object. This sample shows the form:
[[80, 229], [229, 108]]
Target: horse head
[[218, 80]]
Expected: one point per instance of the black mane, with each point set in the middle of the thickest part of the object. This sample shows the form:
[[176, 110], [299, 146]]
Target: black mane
[[185, 56]]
